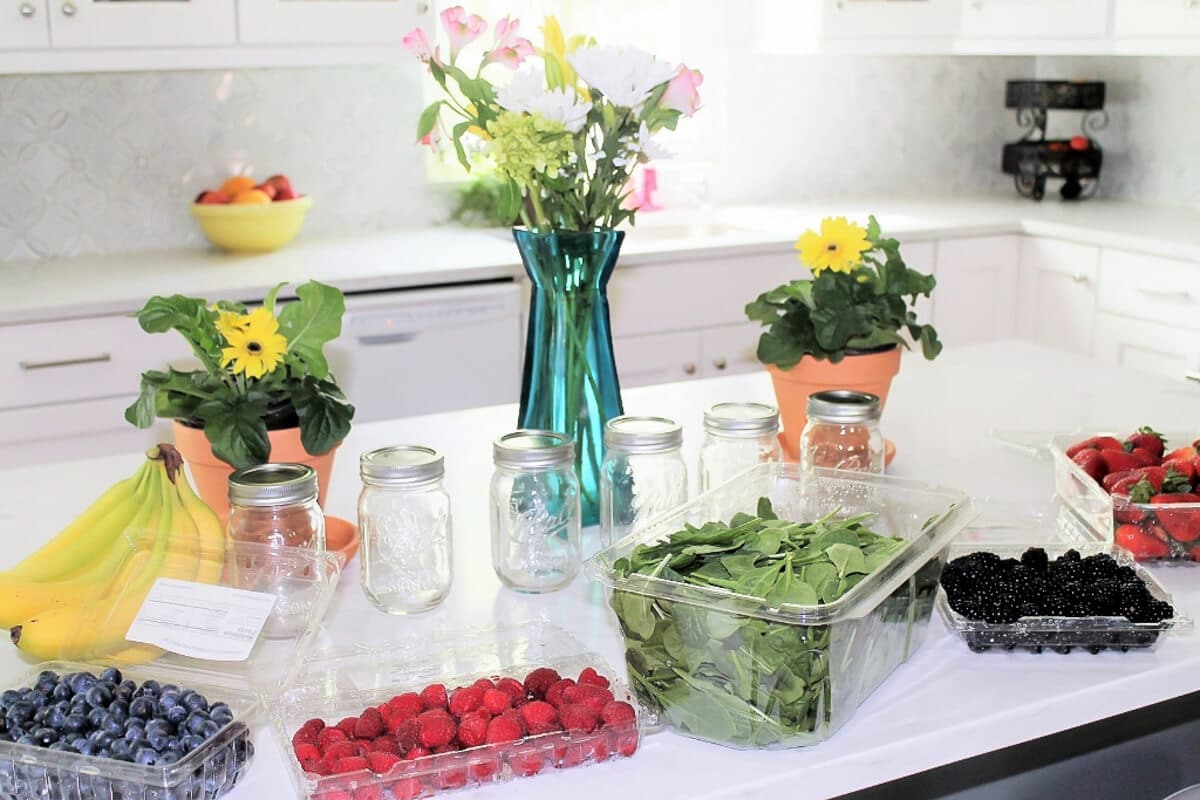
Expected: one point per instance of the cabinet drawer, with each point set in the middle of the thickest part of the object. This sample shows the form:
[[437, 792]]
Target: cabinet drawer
[[73, 430], [731, 349], [662, 358], [1146, 346], [1079, 262], [1149, 288], [57, 362]]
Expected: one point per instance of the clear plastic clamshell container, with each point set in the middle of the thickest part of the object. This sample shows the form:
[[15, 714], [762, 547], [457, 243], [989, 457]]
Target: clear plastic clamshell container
[[1160, 533], [1005, 524], [342, 682], [735, 670], [1062, 634], [92, 636]]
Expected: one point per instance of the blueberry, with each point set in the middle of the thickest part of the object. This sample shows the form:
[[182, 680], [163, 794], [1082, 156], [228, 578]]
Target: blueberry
[[104, 752], [176, 714], [95, 716], [170, 756], [119, 705], [56, 718], [170, 688], [209, 729], [46, 736], [60, 745], [194, 701], [111, 674], [142, 707], [85, 747], [122, 757], [80, 682], [191, 742], [62, 692], [21, 710], [145, 755], [222, 709], [195, 722], [47, 676], [99, 696], [134, 733], [74, 723], [111, 725], [168, 700], [27, 740], [151, 688], [119, 747], [173, 743], [37, 699], [9, 697]]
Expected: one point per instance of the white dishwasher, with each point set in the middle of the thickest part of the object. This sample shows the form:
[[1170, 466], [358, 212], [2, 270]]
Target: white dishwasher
[[422, 351]]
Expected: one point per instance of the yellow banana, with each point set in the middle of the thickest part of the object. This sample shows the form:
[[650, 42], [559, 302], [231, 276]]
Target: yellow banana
[[209, 529], [77, 546]]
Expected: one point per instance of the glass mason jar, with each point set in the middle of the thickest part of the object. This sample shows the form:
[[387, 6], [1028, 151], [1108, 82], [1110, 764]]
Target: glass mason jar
[[643, 473], [276, 505], [404, 519], [535, 511], [842, 432], [736, 437]]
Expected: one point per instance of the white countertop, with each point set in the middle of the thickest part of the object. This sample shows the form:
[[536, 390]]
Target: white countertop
[[944, 705], [119, 284]]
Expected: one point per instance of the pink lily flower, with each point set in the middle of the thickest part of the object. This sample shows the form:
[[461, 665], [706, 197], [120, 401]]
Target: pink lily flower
[[509, 48], [417, 43], [683, 91], [461, 29]]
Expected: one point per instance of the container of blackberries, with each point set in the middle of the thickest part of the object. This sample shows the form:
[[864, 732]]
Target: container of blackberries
[[1061, 597], [78, 731]]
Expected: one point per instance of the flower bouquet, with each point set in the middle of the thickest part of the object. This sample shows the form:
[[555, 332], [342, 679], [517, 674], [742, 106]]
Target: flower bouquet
[[564, 135]]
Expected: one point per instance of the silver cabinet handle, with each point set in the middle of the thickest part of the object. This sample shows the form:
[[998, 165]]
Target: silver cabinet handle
[[27, 10], [422, 8], [1079, 277], [720, 363], [30, 366], [386, 338], [1163, 294], [69, 9], [689, 369]]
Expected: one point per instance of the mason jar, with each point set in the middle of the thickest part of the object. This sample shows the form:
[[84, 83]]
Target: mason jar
[[404, 521], [276, 505], [535, 512], [643, 473], [842, 432], [736, 437]]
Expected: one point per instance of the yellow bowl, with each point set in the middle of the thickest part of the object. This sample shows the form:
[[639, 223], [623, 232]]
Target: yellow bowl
[[252, 229]]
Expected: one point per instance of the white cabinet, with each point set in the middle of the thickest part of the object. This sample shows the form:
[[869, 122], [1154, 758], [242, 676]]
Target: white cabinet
[[657, 358], [23, 24], [1156, 18], [1150, 288], [889, 19], [1035, 19], [730, 349], [1146, 346], [328, 22], [1057, 305], [976, 296], [142, 23]]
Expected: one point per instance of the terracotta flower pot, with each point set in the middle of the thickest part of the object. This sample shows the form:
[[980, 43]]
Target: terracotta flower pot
[[864, 372], [211, 474]]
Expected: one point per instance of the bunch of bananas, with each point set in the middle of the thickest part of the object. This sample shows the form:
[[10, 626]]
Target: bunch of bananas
[[76, 597]]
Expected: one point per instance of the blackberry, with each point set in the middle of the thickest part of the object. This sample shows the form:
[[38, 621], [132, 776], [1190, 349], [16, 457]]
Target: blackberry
[[1156, 611]]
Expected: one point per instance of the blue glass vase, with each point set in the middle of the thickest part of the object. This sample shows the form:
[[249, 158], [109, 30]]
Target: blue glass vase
[[570, 380]]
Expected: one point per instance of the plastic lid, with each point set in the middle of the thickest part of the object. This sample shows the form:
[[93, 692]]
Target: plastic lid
[[643, 434], [741, 419], [843, 405], [273, 485], [400, 465], [528, 448]]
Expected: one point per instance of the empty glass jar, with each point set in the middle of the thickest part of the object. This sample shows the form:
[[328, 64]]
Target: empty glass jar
[[643, 473], [736, 437], [842, 432], [276, 505], [535, 515], [404, 520]]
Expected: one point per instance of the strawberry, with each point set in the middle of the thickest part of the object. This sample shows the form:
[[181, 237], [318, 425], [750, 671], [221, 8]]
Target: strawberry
[[1127, 511], [538, 681], [382, 763], [408, 704], [408, 734], [555, 692], [618, 712], [465, 700], [1184, 459], [578, 717], [1142, 545], [590, 675], [1182, 525], [1119, 461], [1143, 455], [369, 725], [503, 729], [540, 717], [434, 696], [437, 728], [1147, 438], [1091, 462], [305, 751], [407, 789], [329, 736], [514, 689], [472, 730], [496, 701], [1095, 443], [350, 764]]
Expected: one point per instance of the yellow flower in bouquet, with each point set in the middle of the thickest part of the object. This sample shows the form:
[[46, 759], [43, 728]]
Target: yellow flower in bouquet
[[255, 345], [839, 246]]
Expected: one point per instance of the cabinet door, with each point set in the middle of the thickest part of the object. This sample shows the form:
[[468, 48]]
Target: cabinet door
[[328, 21], [889, 19], [142, 23], [23, 24], [660, 358], [1035, 19], [1150, 288], [1147, 346], [976, 296], [730, 349], [1057, 305], [1156, 18]]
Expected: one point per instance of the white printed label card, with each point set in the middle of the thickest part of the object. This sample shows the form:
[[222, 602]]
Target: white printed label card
[[200, 620]]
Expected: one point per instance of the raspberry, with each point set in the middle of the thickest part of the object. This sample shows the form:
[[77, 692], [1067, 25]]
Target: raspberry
[[569, 756], [598, 747], [371, 791], [382, 763], [555, 692], [578, 717], [340, 750], [346, 726], [472, 730], [526, 764], [592, 696], [316, 725], [514, 689], [407, 789], [484, 771], [417, 752], [625, 740], [350, 764], [305, 751], [453, 778], [465, 700], [539, 717], [305, 736], [333, 794], [313, 765], [590, 676], [617, 712], [434, 696], [329, 736], [538, 681], [484, 684], [408, 704], [515, 715], [437, 728], [496, 701], [384, 744], [503, 729], [408, 734], [369, 725]]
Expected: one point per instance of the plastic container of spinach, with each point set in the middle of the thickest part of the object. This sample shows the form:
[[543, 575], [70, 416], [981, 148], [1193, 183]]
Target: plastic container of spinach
[[757, 633]]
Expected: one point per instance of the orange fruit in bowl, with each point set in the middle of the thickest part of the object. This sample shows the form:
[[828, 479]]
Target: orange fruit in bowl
[[237, 184], [252, 197]]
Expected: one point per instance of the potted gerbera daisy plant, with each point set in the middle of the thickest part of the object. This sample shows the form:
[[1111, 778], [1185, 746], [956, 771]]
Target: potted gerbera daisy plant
[[263, 391], [843, 327]]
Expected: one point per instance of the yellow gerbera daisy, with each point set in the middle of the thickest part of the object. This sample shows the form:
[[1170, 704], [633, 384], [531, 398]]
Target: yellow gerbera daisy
[[229, 321], [839, 246], [255, 345]]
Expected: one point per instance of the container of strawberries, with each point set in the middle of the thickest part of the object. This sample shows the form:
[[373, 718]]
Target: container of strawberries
[[1138, 491], [420, 717]]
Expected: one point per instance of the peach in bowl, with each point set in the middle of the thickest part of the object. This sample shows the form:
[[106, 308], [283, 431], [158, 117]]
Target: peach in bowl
[[244, 217]]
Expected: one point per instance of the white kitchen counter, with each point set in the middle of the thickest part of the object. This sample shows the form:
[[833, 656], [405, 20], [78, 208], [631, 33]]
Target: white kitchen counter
[[117, 284], [944, 705]]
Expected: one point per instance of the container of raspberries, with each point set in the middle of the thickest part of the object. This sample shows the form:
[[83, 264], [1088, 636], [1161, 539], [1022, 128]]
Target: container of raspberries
[[428, 715], [1089, 596], [763, 613], [1138, 491]]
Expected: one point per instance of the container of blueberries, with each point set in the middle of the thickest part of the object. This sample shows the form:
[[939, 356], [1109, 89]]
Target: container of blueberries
[[1054, 595], [130, 720]]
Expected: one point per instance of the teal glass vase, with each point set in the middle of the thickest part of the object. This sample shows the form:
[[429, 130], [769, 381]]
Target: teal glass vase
[[570, 379]]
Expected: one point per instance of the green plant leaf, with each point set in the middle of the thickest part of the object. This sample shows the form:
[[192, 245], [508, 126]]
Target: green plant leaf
[[236, 430], [141, 411], [428, 119], [311, 322], [324, 414], [269, 300], [161, 314]]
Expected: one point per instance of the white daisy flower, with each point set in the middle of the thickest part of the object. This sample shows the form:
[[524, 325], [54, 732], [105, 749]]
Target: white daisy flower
[[625, 75], [527, 93]]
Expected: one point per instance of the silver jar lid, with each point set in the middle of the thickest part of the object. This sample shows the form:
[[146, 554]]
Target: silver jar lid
[[741, 419], [843, 405], [533, 449], [273, 485], [643, 434], [401, 465]]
